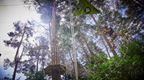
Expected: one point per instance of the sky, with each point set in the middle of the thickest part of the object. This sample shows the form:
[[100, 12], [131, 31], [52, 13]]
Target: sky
[[12, 11]]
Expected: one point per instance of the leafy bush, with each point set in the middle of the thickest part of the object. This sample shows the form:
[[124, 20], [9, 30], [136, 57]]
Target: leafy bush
[[129, 66], [36, 76]]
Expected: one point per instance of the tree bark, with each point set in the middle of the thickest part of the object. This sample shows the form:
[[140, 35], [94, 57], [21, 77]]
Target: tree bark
[[16, 60], [37, 61], [105, 47], [107, 40], [110, 46]]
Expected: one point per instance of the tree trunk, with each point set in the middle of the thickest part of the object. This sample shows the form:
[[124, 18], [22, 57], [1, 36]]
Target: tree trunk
[[105, 47], [75, 60], [85, 51], [16, 60], [37, 65], [74, 52], [37, 61], [107, 40], [110, 46], [15, 69]]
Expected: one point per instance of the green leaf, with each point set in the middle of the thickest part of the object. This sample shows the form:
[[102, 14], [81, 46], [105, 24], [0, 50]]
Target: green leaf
[[84, 7]]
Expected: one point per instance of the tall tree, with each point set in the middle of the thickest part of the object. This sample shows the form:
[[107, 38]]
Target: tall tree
[[22, 32]]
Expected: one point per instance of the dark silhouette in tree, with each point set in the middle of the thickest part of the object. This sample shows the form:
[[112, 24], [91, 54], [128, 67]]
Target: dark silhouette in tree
[[23, 31]]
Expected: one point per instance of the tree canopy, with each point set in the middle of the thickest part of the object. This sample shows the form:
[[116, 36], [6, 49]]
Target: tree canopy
[[88, 39]]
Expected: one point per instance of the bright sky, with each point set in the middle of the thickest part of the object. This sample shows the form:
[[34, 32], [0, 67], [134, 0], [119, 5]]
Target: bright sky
[[12, 11]]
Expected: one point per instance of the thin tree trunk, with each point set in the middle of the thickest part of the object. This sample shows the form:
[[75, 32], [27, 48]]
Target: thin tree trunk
[[107, 40], [106, 47], [85, 41], [74, 52], [72, 60], [87, 45], [53, 30], [37, 65], [75, 60], [16, 60], [110, 46], [15, 69], [85, 51], [21, 54], [37, 61]]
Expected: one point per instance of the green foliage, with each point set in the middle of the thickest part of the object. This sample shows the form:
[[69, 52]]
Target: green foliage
[[36, 76], [85, 7], [128, 67], [132, 49]]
